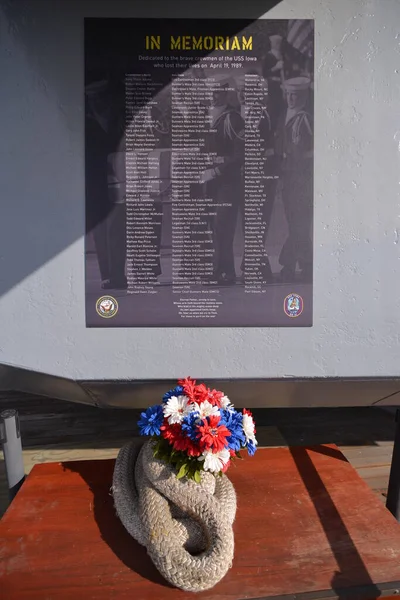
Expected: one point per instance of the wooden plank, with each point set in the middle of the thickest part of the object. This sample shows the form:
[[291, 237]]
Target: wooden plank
[[318, 532], [373, 450], [47, 421], [374, 471], [364, 467], [375, 455], [40, 456], [378, 484], [53, 430]]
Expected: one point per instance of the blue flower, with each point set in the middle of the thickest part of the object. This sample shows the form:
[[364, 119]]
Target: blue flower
[[190, 424], [177, 391], [251, 448], [151, 420], [233, 421]]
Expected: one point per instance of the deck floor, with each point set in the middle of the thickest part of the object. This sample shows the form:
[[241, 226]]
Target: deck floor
[[54, 431]]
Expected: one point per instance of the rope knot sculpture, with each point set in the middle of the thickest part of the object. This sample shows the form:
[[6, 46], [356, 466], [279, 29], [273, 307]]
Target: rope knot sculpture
[[185, 526], [172, 495]]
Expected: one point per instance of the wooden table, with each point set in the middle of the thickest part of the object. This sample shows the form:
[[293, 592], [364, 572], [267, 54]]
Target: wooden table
[[307, 527]]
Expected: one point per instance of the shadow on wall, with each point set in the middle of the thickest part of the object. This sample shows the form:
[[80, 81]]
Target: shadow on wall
[[41, 58]]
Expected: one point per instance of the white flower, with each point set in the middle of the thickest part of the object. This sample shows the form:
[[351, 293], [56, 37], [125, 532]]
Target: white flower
[[226, 403], [215, 461], [206, 409], [176, 409], [248, 428]]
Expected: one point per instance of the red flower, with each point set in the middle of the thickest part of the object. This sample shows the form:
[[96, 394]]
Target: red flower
[[192, 448], [180, 443], [170, 432], [199, 393], [184, 444], [215, 397], [212, 436], [202, 393], [189, 388], [178, 440]]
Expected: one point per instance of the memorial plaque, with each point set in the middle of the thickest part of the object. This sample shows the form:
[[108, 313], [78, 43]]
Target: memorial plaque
[[199, 172]]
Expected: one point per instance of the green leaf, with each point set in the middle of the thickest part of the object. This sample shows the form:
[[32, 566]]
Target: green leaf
[[183, 471], [197, 476], [238, 455]]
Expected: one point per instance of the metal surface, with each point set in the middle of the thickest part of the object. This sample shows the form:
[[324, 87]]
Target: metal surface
[[268, 393], [294, 393], [12, 450], [44, 384]]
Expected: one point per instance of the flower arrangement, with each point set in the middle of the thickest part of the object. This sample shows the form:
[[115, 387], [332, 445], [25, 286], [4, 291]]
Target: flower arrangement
[[197, 429]]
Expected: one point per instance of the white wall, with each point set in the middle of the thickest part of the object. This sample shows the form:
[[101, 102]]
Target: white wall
[[357, 213]]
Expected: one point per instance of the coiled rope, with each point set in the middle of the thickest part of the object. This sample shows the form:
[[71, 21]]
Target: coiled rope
[[186, 527]]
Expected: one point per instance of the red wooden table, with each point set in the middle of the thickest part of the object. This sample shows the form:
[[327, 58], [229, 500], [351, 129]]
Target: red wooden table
[[307, 527]]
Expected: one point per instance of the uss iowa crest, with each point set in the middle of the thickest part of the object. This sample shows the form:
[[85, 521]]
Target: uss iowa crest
[[293, 305]]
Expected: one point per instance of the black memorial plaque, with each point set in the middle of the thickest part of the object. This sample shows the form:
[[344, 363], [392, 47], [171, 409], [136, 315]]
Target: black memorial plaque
[[199, 172]]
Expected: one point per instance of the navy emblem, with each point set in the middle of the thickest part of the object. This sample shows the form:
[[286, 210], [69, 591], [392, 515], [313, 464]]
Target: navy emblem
[[293, 305], [107, 307]]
